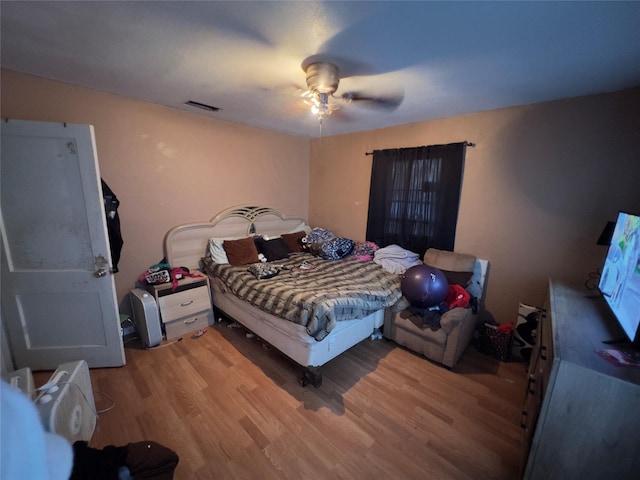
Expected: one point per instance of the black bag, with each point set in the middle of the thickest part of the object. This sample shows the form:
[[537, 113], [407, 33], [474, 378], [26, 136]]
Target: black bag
[[97, 464], [493, 341], [336, 248], [151, 461], [145, 460]]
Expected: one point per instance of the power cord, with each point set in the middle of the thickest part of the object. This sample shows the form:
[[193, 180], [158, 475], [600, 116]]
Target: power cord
[[104, 410], [592, 282], [166, 344]]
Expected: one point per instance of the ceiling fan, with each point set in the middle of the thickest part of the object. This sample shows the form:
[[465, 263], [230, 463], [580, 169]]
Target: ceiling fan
[[323, 79]]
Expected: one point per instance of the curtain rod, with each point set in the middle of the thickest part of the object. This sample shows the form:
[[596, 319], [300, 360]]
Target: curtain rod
[[466, 144]]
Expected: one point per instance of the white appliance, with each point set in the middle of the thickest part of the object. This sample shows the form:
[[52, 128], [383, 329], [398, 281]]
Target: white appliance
[[21, 379], [146, 317], [66, 403]]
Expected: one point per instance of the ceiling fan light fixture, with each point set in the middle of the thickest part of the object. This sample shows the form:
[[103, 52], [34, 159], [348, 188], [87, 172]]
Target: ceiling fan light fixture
[[320, 103], [322, 82], [323, 107]]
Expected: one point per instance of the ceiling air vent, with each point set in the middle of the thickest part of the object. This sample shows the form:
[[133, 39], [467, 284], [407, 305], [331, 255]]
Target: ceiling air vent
[[202, 106]]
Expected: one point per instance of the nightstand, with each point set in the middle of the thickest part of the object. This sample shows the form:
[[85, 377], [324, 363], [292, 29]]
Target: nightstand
[[185, 309]]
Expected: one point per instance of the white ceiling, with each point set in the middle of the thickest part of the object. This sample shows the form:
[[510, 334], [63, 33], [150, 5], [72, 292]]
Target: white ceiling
[[448, 58]]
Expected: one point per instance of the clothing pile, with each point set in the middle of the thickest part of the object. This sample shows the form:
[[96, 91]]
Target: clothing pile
[[457, 297], [395, 259]]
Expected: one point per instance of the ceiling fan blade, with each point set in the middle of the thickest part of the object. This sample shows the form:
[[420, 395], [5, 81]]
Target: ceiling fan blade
[[340, 115], [289, 89], [382, 102]]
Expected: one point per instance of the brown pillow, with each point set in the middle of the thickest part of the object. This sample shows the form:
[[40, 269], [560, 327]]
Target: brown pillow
[[294, 240], [241, 252]]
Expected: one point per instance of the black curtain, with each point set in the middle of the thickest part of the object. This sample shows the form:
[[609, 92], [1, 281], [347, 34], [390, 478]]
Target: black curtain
[[415, 195]]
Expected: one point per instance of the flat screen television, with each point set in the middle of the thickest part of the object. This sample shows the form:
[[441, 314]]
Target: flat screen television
[[620, 279]]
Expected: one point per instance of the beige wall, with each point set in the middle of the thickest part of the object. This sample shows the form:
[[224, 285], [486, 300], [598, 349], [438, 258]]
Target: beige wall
[[538, 188], [166, 166]]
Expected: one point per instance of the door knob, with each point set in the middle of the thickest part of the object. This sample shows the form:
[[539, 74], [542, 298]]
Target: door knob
[[102, 266]]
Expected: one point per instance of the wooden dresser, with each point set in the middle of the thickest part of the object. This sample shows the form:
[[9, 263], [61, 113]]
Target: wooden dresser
[[582, 413]]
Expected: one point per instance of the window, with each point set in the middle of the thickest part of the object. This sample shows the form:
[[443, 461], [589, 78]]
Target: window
[[415, 195]]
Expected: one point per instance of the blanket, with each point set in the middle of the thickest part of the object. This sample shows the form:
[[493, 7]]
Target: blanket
[[396, 259], [317, 297]]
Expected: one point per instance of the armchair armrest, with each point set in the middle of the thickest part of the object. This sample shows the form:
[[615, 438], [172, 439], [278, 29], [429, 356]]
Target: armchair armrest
[[454, 317], [400, 305]]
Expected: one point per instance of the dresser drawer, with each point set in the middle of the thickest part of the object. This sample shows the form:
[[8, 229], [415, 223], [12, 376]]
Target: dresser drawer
[[185, 303], [185, 325]]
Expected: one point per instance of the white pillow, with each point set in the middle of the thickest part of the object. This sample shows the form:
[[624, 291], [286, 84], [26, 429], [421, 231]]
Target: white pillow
[[216, 250], [303, 227]]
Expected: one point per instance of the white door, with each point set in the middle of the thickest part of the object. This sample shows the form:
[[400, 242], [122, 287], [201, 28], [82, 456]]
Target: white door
[[58, 295]]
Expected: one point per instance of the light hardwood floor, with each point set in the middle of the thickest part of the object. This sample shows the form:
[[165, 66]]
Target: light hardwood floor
[[233, 408]]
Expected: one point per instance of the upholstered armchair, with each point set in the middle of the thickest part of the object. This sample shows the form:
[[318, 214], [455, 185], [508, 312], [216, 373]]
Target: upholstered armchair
[[445, 344]]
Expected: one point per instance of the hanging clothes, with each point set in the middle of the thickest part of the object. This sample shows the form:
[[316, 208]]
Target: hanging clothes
[[111, 204]]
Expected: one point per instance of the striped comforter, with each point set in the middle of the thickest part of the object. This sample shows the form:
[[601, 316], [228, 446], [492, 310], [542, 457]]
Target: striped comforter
[[318, 298]]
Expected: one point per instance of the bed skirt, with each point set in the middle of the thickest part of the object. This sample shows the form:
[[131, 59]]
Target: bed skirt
[[292, 339]]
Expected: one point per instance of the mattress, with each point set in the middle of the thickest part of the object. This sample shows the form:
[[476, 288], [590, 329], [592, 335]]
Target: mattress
[[319, 298]]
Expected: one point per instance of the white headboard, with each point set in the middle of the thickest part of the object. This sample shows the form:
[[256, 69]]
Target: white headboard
[[185, 245]]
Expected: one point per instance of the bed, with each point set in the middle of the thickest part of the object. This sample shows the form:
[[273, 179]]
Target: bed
[[314, 335]]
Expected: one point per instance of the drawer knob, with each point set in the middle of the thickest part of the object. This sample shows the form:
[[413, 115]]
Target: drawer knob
[[185, 304], [189, 321], [543, 352], [523, 420]]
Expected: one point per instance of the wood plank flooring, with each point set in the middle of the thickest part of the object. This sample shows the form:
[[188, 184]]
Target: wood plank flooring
[[233, 408]]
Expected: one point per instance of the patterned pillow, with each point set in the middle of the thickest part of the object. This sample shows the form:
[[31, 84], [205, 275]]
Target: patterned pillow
[[262, 271], [318, 235]]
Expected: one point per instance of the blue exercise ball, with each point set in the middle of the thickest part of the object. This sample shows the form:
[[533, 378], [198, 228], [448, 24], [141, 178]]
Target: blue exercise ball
[[424, 286]]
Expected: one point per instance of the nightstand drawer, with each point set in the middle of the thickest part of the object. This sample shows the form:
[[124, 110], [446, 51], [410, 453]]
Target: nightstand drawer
[[185, 303], [182, 326]]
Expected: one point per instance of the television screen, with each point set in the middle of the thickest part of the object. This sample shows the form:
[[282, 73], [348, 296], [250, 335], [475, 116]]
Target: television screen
[[620, 279]]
